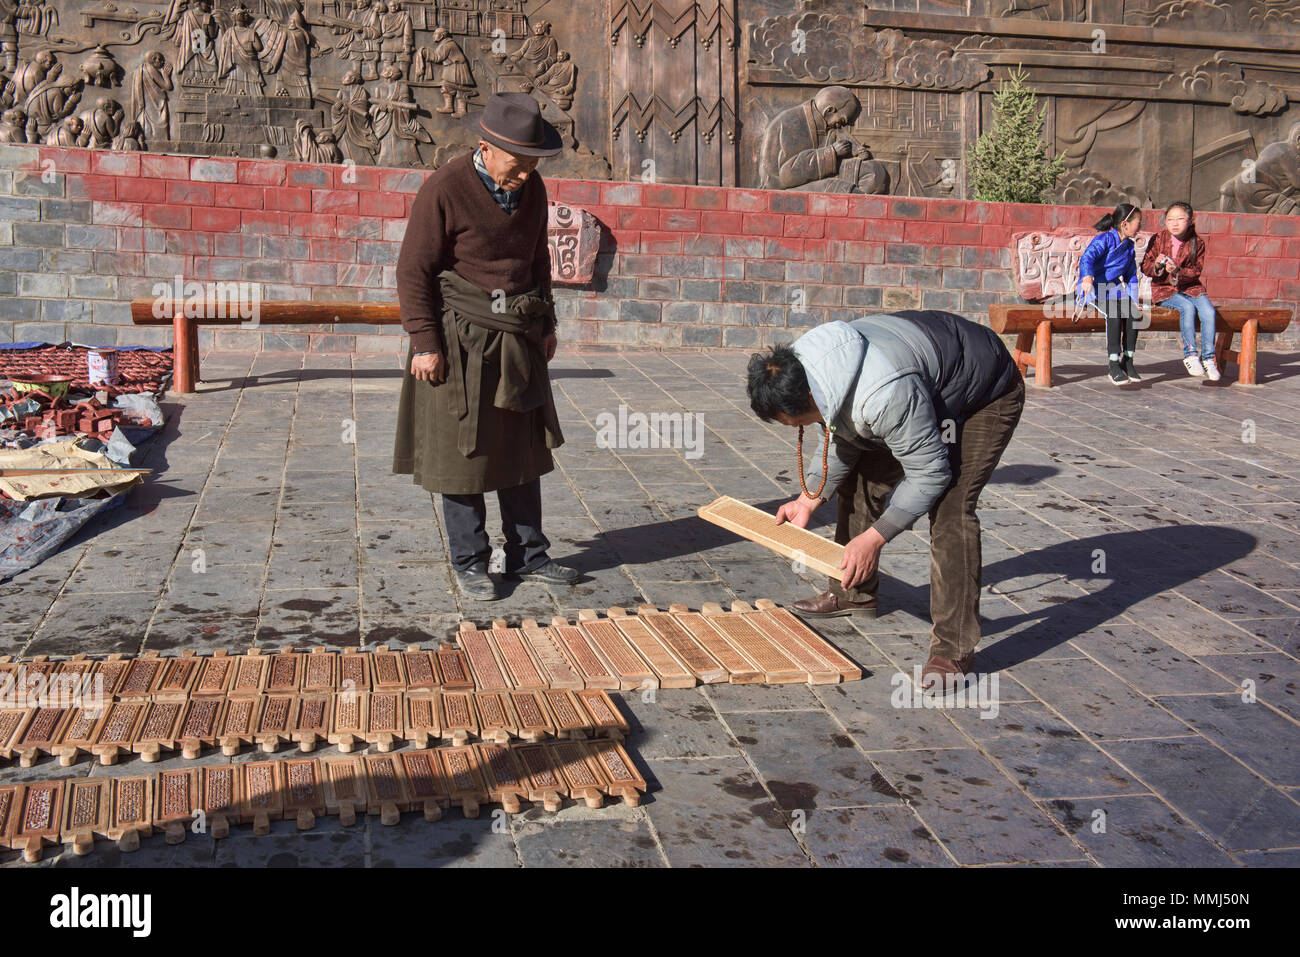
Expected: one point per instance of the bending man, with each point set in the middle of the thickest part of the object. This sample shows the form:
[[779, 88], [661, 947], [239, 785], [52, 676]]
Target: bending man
[[918, 408]]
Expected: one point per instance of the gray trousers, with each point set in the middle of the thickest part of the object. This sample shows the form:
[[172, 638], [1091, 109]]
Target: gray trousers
[[465, 517]]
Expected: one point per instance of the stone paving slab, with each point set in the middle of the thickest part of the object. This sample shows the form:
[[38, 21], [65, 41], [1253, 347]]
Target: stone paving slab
[[1141, 571]]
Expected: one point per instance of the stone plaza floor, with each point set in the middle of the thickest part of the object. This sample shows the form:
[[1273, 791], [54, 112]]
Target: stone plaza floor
[[1141, 609]]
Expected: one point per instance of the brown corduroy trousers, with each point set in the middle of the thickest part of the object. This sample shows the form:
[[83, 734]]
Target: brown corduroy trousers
[[956, 563]]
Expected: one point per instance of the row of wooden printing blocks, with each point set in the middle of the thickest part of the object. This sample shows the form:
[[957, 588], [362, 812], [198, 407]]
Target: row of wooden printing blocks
[[346, 719], [652, 648], [287, 671], [74, 811]]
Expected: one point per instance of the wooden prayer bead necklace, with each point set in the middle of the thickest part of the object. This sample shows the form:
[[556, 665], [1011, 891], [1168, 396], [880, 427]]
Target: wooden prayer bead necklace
[[826, 448]]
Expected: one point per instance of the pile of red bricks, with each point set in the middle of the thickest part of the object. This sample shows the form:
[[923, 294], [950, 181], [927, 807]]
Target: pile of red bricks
[[58, 416]]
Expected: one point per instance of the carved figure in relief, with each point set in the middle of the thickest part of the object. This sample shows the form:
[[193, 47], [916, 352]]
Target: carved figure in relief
[[313, 147], [396, 33], [457, 81], [100, 124], [560, 80], [49, 103], [66, 134], [129, 139], [13, 126], [12, 13], [536, 54], [150, 85], [351, 119], [286, 51], [1271, 184], [800, 149], [195, 36], [42, 16], [31, 74], [239, 52], [392, 112]]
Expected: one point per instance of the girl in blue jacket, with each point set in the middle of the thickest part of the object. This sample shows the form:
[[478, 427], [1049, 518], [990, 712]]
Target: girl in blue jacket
[[1108, 278]]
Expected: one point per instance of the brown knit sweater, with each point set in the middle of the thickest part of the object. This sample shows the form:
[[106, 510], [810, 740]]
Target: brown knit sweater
[[456, 224]]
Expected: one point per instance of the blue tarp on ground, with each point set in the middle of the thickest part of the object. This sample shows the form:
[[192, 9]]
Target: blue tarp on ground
[[31, 532]]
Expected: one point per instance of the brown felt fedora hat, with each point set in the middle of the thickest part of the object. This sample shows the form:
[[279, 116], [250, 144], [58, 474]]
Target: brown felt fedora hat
[[513, 122]]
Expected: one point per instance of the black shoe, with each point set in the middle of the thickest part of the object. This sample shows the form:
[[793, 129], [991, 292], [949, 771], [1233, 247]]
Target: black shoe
[[550, 572], [1129, 371], [475, 583], [1117, 373]]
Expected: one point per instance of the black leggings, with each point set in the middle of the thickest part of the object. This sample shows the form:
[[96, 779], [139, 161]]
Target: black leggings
[[1120, 314]]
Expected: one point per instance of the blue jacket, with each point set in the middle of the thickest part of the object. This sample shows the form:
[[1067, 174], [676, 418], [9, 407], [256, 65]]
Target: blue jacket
[[1109, 260]]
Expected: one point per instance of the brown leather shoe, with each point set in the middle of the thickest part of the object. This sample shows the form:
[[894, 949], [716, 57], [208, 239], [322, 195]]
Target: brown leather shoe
[[942, 673], [830, 605]]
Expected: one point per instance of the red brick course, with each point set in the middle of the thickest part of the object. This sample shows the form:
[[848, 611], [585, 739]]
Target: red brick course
[[167, 211]]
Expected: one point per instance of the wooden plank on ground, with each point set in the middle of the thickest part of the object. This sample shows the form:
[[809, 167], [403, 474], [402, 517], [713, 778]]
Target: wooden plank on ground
[[583, 777], [606, 719], [669, 669], [262, 794], [456, 675], [457, 717], [596, 671], [159, 729], [311, 720], [496, 718], [237, 724], [625, 781], [489, 673], [220, 797], [87, 813], [535, 721], [848, 670], [524, 670], [740, 669], [502, 775], [820, 671], [689, 651], [345, 788], [304, 792], [629, 667], [387, 793], [132, 815], [200, 725], [776, 666], [348, 720], [422, 718], [560, 671], [464, 779], [425, 782], [421, 669], [320, 672]]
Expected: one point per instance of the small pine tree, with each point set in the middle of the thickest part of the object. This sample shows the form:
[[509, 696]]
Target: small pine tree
[[1009, 163]]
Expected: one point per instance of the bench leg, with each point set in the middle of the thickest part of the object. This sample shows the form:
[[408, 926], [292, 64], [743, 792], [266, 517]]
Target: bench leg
[[1246, 355], [1043, 355], [193, 333], [1023, 355], [182, 364]]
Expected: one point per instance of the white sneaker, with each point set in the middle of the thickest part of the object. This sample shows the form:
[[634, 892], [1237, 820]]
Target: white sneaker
[[1193, 366], [1212, 370]]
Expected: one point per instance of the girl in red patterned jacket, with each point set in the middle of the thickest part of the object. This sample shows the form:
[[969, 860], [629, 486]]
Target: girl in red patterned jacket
[[1174, 260]]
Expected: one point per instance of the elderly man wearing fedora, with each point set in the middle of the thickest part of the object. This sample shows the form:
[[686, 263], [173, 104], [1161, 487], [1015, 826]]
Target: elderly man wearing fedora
[[474, 285]]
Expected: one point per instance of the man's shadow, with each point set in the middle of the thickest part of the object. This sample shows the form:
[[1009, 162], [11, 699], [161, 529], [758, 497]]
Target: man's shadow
[[1118, 570]]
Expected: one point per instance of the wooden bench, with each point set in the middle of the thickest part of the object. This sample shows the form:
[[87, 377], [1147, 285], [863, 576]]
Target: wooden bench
[[1033, 326], [274, 312]]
